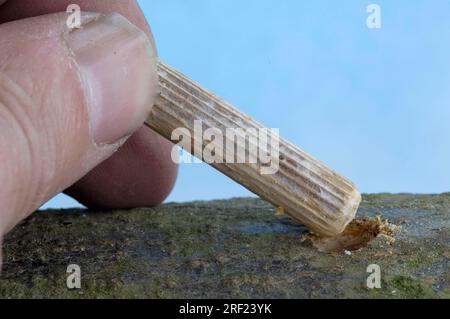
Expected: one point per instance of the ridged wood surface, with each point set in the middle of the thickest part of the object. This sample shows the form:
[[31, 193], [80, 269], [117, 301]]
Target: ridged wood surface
[[305, 188]]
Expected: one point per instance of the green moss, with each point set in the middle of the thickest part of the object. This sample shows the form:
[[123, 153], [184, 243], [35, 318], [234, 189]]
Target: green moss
[[425, 257], [407, 287], [219, 249], [402, 287], [438, 201]]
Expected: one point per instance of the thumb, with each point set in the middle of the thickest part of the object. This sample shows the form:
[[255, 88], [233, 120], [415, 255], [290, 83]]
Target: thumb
[[68, 100]]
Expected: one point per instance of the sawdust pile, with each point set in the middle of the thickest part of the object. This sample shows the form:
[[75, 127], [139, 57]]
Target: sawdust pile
[[358, 234]]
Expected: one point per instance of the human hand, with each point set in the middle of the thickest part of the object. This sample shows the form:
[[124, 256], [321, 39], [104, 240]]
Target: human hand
[[69, 100]]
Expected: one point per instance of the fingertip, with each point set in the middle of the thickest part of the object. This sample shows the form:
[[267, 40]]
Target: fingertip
[[140, 174], [47, 116]]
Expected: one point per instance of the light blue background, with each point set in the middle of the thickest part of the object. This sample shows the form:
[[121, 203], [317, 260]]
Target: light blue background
[[373, 104]]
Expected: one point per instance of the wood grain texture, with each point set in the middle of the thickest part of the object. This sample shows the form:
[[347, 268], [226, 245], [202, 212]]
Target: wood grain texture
[[305, 188]]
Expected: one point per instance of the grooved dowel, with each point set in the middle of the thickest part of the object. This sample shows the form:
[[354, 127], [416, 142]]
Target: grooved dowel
[[291, 179]]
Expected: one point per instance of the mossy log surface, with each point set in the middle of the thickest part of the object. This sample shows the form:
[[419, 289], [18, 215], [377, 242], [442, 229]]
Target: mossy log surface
[[225, 249]]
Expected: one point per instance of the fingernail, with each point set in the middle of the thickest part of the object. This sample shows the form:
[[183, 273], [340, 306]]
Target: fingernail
[[117, 62]]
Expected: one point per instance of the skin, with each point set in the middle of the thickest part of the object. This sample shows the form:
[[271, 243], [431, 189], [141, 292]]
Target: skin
[[139, 173]]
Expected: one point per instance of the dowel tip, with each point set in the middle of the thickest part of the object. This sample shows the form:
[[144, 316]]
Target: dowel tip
[[347, 214]]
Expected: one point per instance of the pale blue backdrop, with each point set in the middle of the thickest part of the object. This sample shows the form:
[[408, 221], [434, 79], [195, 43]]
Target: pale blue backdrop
[[374, 104]]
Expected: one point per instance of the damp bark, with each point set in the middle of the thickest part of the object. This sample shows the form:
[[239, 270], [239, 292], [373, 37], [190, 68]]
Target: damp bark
[[240, 248]]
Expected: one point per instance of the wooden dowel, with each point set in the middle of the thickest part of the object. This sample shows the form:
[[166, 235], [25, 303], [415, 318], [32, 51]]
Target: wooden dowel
[[305, 188]]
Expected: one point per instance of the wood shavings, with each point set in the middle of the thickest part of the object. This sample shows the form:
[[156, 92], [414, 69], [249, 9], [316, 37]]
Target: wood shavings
[[280, 211], [358, 234]]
